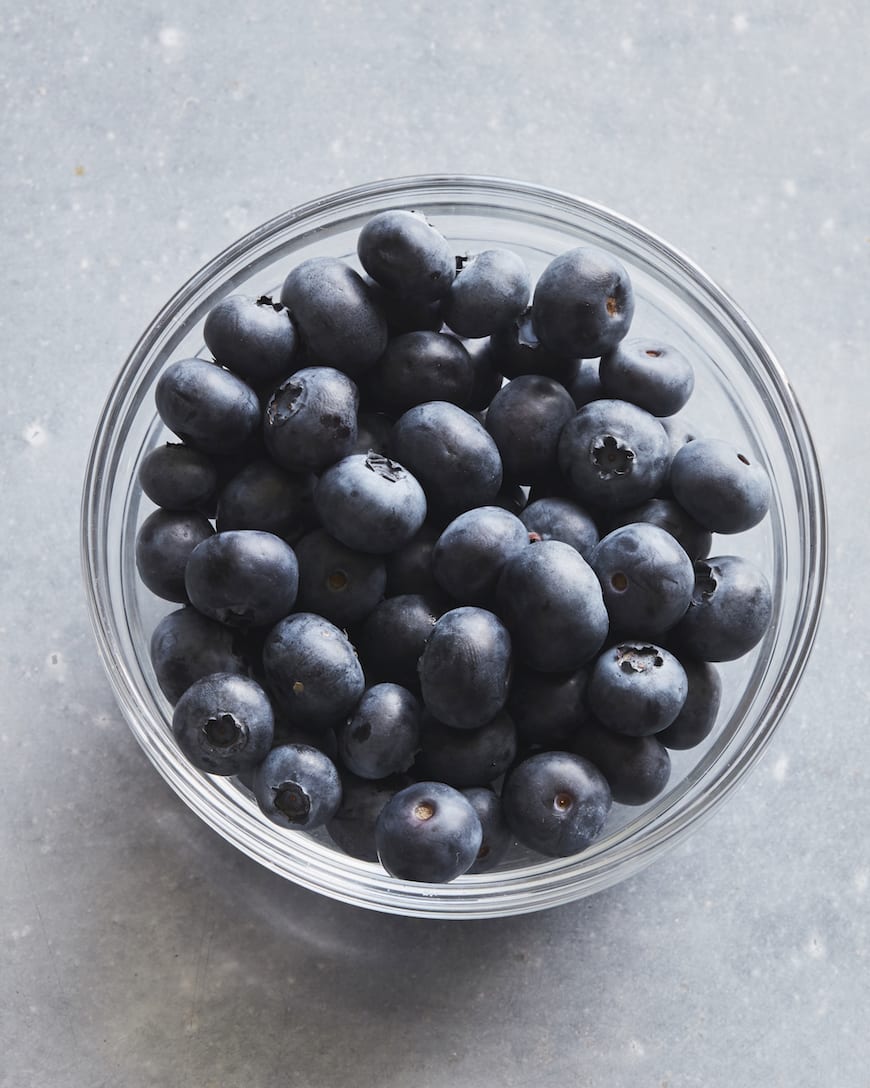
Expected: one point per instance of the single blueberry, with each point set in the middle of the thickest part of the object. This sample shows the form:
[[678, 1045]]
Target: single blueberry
[[186, 646], [646, 577], [224, 723], [497, 837], [263, 496], [392, 638], [243, 577], [695, 721], [382, 735], [561, 519], [556, 803], [468, 556], [651, 374], [720, 486], [404, 253], [310, 420], [450, 453], [525, 419], [312, 670], [583, 382], [370, 503], [337, 582], [614, 454], [637, 769], [164, 543], [551, 602], [428, 832], [206, 406], [465, 667], [178, 477], [417, 367], [255, 338], [583, 303], [352, 828], [297, 787], [491, 288], [466, 757], [636, 688], [730, 611], [667, 514], [340, 322]]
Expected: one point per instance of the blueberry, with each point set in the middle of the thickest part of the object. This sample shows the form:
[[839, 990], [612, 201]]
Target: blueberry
[[255, 338], [637, 769], [263, 496], [466, 757], [614, 454], [207, 407], [469, 555], [490, 290], [312, 670], [636, 688], [164, 543], [525, 419], [297, 787], [561, 519], [651, 374], [382, 735], [178, 477], [465, 667], [428, 832], [243, 577], [497, 838], [339, 320], [583, 382], [451, 455], [516, 350], [486, 378], [409, 568], [646, 578], [719, 486], [393, 637], [730, 610], [337, 582], [667, 514], [583, 303], [370, 502], [404, 253], [551, 602], [323, 738], [546, 707], [556, 803], [404, 315], [418, 367], [186, 646], [224, 723], [310, 420], [352, 828], [695, 721], [374, 433]]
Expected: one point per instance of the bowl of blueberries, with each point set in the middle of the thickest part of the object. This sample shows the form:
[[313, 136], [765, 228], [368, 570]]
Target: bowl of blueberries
[[453, 545]]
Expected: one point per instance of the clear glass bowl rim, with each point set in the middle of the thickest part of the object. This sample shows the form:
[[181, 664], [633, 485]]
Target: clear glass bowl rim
[[551, 882]]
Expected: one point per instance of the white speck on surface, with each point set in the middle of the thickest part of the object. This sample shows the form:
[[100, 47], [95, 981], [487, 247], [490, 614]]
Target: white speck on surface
[[237, 218], [84, 264], [789, 187], [24, 931], [740, 23], [336, 147], [171, 40], [34, 434], [828, 225], [627, 46], [636, 1047], [779, 770], [861, 880], [815, 947]]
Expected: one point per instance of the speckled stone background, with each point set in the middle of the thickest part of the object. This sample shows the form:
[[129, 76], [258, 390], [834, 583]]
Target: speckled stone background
[[136, 947]]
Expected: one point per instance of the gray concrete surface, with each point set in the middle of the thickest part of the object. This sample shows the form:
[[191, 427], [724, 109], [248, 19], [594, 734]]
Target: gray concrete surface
[[136, 947]]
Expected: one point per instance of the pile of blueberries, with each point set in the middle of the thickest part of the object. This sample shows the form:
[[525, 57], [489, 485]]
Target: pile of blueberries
[[442, 544]]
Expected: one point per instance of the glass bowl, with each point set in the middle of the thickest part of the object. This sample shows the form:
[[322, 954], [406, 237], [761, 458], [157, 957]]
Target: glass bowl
[[741, 394]]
